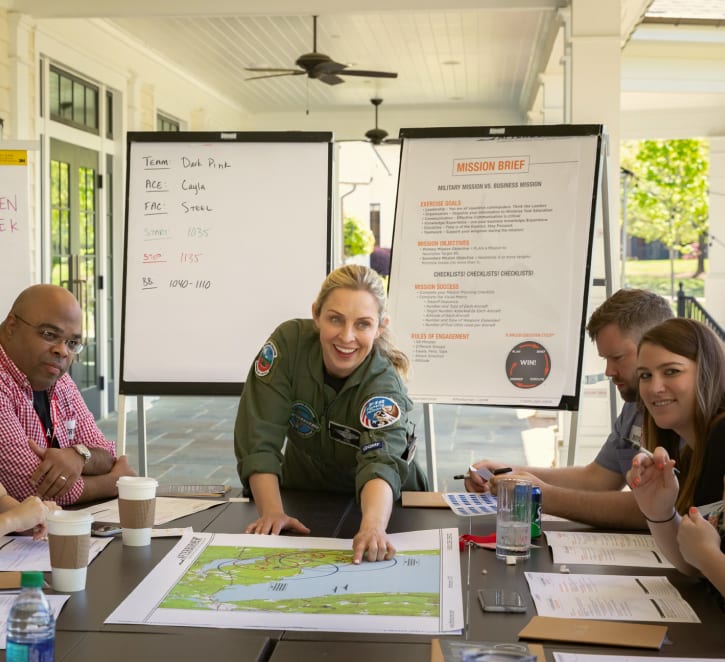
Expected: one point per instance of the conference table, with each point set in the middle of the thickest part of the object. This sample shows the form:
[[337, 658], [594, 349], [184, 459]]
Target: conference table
[[81, 633]]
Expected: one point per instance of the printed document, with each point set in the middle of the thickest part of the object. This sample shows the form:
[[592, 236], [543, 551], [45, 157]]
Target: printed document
[[585, 657], [626, 549], [167, 509], [609, 598], [471, 503]]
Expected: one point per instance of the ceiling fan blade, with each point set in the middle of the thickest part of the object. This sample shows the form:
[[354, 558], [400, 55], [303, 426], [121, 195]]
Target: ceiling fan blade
[[271, 70], [369, 74], [288, 73], [330, 79]]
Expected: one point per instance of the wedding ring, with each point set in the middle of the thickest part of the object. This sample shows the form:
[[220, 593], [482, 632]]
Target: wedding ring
[[62, 477]]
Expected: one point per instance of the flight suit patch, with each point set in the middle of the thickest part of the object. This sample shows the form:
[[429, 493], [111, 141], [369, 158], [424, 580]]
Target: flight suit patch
[[379, 412], [344, 434], [303, 419], [373, 445], [265, 359]]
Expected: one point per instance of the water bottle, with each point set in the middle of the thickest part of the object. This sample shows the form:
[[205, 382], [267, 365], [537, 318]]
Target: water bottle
[[31, 624]]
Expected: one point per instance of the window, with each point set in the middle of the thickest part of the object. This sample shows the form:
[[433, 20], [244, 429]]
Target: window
[[109, 114], [165, 123], [73, 101]]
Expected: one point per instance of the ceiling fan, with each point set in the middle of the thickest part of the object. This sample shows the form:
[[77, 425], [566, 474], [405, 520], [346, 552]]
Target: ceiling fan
[[319, 66], [378, 136]]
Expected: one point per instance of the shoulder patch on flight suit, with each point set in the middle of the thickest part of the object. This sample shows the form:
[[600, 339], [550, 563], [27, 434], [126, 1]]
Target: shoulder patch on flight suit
[[303, 419], [379, 412], [373, 445], [265, 359]]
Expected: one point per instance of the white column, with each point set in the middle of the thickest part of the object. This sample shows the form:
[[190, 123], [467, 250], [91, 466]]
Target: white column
[[548, 106], [595, 88], [552, 86], [592, 52], [23, 88], [715, 280], [133, 101]]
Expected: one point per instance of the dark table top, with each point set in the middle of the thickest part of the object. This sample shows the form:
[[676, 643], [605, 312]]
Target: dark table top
[[82, 634]]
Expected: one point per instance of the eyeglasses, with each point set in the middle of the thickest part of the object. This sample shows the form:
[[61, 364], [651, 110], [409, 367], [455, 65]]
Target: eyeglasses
[[52, 338]]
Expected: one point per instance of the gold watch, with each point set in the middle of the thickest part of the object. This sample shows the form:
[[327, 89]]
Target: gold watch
[[83, 452]]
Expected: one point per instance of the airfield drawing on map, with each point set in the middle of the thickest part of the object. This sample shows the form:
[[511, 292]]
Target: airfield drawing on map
[[280, 582]]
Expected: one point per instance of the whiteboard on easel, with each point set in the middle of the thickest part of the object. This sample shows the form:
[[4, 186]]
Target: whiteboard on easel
[[491, 262], [227, 236], [15, 262]]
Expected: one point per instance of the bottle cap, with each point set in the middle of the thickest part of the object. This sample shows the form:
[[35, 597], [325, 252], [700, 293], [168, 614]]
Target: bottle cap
[[31, 579]]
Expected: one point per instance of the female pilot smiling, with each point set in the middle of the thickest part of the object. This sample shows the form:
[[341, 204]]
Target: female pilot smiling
[[332, 386]]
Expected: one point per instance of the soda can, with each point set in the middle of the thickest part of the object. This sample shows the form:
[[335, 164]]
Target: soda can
[[535, 511]]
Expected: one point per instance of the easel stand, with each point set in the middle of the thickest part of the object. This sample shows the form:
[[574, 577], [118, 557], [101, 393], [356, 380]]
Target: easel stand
[[430, 444], [121, 432]]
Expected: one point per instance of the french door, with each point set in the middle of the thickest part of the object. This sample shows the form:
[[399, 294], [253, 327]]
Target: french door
[[74, 251]]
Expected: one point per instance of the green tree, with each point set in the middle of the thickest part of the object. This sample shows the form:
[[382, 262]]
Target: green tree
[[358, 239], [667, 198]]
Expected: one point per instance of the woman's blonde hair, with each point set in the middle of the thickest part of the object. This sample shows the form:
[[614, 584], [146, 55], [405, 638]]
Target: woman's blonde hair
[[695, 341], [358, 277]]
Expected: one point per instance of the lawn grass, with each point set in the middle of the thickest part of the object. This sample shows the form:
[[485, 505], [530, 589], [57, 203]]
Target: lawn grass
[[655, 275]]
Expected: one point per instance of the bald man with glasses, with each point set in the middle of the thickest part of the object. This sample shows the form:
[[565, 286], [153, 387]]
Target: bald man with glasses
[[50, 445]]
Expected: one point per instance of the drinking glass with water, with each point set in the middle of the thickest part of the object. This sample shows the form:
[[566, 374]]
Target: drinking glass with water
[[513, 519]]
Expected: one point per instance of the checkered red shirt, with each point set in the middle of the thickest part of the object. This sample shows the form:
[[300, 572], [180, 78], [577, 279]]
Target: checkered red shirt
[[20, 422]]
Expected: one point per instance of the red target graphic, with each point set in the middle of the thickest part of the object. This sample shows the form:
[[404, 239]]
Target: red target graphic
[[528, 365]]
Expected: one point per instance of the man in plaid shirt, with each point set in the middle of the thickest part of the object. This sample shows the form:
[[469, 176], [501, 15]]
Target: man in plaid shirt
[[50, 445]]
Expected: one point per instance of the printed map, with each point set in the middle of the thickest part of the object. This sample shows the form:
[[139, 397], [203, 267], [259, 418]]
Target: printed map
[[302, 583], [309, 581]]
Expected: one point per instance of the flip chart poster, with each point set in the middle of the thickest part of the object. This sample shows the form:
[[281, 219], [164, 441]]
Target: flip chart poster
[[15, 265], [224, 241], [491, 252]]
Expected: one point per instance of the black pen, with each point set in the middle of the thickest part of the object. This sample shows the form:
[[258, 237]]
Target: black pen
[[483, 472]]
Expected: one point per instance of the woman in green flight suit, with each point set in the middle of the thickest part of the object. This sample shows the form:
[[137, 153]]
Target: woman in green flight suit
[[332, 386]]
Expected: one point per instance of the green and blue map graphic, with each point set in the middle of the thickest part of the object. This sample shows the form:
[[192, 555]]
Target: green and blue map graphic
[[309, 581]]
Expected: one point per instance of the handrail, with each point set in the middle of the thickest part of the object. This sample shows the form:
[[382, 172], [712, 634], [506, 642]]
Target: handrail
[[690, 307]]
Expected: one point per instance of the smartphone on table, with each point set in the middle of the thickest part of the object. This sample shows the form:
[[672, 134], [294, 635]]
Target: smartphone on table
[[494, 599], [105, 529]]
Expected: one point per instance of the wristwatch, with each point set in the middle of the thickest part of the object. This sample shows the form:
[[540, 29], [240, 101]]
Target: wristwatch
[[83, 452]]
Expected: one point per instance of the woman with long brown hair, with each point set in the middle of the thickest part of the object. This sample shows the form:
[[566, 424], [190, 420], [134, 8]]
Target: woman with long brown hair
[[681, 367]]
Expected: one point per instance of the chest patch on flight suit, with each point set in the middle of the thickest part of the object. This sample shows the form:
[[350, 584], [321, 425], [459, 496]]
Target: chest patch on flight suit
[[303, 419], [265, 359], [379, 412], [344, 434]]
